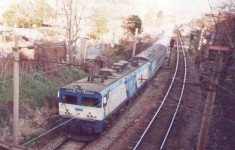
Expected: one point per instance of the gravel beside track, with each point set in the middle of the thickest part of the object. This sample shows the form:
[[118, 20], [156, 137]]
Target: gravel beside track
[[127, 127]]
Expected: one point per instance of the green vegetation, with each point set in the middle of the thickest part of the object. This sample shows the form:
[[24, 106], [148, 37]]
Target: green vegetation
[[28, 13], [36, 88], [122, 52], [132, 23], [99, 28], [71, 74], [6, 88]]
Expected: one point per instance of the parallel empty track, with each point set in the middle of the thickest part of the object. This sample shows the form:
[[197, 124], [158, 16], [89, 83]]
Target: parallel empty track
[[156, 133]]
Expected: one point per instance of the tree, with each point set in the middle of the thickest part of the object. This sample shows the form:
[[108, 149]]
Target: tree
[[72, 11], [223, 35], [75, 15], [226, 23], [99, 28], [28, 13], [225, 26], [132, 23]]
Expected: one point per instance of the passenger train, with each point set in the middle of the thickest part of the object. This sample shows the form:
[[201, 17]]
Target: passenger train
[[88, 104]]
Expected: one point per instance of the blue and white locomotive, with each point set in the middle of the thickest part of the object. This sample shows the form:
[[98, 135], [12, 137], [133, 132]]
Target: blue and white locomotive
[[90, 102]]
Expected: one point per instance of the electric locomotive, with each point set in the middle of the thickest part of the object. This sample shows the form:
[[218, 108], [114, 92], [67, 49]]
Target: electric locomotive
[[88, 104]]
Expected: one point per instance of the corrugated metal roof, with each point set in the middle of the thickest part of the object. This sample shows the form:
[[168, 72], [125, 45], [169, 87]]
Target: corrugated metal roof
[[151, 53]]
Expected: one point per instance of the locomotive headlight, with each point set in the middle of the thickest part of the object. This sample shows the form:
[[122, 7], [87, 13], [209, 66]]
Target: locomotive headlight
[[91, 116]]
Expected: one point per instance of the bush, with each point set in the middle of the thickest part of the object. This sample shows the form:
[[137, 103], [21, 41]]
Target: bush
[[37, 88], [71, 74], [6, 88]]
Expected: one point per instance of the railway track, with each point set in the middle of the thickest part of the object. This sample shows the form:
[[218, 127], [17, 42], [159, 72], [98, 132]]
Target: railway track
[[156, 133], [64, 142], [72, 145], [10, 146]]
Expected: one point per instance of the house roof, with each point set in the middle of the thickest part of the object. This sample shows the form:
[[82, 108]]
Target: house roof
[[218, 48]]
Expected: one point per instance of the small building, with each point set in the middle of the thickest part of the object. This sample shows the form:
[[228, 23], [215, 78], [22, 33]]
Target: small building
[[211, 51]]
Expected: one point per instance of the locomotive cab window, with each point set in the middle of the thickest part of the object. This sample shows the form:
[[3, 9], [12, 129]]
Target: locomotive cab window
[[92, 102], [70, 99]]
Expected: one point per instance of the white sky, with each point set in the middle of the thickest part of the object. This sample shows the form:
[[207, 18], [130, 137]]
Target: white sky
[[176, 7], [168, 5], [4, 4]]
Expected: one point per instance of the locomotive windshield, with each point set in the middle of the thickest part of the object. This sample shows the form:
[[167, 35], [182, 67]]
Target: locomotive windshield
[[70, 99], [91, 102]]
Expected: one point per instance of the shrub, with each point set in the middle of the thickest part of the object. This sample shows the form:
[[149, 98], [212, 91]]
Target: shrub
[[36, 87]]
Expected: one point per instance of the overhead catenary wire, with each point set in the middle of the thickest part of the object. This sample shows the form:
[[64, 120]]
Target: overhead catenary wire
[[193, 110], [55, 62], [43, 134], [220, 86], [50, 130], [33, 73], [36, 70]]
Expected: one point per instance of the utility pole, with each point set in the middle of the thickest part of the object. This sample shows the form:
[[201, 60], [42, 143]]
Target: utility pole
[[16, 91], [172, 42], [190, 42], [135, 42], [208, 109], [201, 39], [83, 48], [134, 48]]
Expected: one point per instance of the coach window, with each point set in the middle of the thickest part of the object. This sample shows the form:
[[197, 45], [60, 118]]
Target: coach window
[[91, 102], [70, 99]]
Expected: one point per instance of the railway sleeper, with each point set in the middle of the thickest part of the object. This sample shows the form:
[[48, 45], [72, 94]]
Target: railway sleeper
[[82, 138]]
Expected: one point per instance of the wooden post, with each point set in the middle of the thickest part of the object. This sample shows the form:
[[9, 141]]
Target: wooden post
[[172, 42], [135, 42], [169, 59], [208, 109], [134, 48], [201, 39], [16, 92]]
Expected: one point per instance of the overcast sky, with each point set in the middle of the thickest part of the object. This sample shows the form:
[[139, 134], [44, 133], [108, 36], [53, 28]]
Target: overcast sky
[[177, 7], [197, 6], [168, 5]]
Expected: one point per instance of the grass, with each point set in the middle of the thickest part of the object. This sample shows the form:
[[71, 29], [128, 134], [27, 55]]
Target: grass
[[36, 88]]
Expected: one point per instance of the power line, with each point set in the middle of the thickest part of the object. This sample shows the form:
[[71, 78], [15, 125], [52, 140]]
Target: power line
[[220, 86], [35, 71], [56, 62], [50, 130]]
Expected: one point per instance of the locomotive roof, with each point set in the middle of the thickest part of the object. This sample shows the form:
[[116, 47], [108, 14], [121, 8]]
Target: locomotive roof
[[96, 85]]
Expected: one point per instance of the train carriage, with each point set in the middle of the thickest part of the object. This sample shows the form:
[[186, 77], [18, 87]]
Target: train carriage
[[90, 102]]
